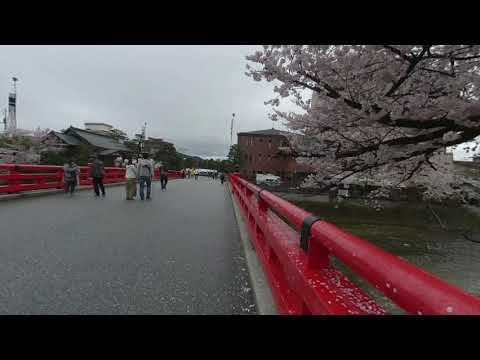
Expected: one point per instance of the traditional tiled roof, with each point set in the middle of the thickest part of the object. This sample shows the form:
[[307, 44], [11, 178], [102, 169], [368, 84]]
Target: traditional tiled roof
[[70, 140], [96, 139], [108, 152]]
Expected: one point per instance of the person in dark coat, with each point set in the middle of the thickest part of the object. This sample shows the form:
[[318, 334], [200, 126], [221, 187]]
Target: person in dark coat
[[97, 172], [222, 177], [163, 177]]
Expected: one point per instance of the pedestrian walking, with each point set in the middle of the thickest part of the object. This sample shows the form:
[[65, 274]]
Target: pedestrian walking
[[145, 175], [97, 172], [222, 177], [135, 163], [131, 177], [195, 172], [163, 177], [70, 176]]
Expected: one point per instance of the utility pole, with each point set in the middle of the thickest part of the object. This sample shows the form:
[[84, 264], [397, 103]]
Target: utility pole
[[141, 138], [5, 121], [231, 130], [12, 109]]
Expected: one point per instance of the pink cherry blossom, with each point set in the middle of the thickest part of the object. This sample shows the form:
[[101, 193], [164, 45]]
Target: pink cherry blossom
[[384, 113]]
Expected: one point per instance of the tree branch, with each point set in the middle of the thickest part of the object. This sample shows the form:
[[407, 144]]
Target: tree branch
[[397, 52], [413, 62], [451, 124], [452, 74], [467, 135]]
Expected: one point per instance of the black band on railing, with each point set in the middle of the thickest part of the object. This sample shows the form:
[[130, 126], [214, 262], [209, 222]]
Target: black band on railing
[[305, 233]]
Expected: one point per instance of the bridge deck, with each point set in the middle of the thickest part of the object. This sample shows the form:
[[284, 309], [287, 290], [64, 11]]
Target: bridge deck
[[177, 254]]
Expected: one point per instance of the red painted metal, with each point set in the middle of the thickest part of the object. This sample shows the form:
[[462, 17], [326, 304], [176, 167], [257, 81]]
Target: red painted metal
[[307, 283], [20, 178]]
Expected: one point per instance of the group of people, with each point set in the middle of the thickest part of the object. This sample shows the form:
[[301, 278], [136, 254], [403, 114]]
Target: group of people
[[194, 173], [190, 173], [139, 170], [71, 176]]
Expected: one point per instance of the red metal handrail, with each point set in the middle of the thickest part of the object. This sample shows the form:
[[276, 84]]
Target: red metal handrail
[[51, 176], [305, 282]]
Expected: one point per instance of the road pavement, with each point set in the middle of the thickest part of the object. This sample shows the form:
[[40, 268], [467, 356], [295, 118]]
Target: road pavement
[[179, 253]]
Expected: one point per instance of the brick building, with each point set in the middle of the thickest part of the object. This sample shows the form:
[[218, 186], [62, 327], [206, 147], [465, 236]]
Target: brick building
[[260, 154]]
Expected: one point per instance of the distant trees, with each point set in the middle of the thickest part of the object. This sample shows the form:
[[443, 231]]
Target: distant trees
[[52, 158], [5, 141], [80, 154], [234, 157], [169, 156], [21, 143], [231, 164]]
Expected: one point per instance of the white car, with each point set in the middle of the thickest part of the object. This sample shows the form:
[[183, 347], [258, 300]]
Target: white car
[[206, 172], [268, 179]]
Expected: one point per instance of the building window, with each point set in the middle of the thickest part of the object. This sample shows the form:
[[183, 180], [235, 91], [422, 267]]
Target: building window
[[259, 156], [246, 157]]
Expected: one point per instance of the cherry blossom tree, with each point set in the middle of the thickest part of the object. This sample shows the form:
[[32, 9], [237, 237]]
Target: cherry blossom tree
[[380, 112]]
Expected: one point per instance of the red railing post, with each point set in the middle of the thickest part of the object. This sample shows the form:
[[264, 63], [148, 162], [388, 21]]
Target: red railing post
[[262, 204], [15, 186], [318, 256], [60, 174]]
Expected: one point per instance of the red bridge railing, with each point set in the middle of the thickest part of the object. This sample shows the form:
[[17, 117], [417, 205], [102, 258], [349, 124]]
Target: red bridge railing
[[19, 178], [300, 273]]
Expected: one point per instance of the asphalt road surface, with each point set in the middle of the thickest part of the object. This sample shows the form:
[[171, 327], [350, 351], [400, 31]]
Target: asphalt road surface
[[179, 253]]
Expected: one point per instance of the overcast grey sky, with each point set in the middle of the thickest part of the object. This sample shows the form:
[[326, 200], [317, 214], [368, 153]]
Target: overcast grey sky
[[186, 94]]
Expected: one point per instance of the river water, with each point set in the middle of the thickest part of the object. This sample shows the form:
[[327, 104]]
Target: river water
[[447, 256]]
